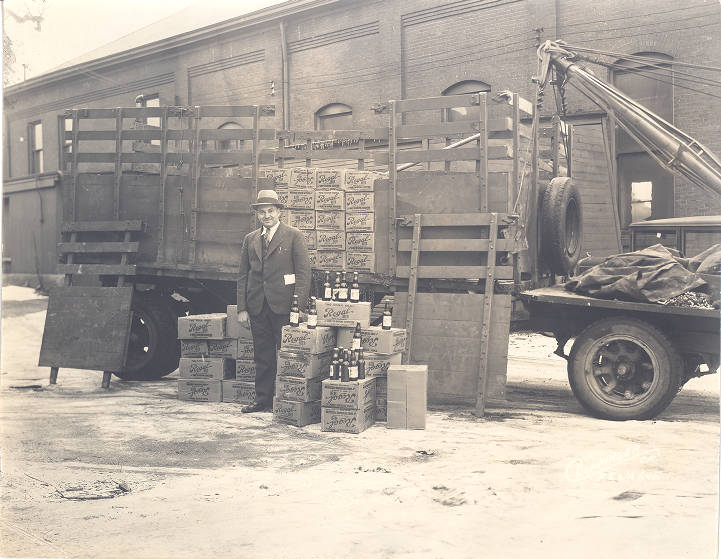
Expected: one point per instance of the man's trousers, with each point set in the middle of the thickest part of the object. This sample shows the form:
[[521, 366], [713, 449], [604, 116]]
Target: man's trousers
[[266, 328]]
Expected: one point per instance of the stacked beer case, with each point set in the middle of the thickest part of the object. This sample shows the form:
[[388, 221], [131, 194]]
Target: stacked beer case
[[303, 362], [241, 388], [335, 210]]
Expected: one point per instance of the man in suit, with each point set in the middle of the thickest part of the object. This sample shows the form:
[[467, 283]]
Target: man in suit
[[274, 266]]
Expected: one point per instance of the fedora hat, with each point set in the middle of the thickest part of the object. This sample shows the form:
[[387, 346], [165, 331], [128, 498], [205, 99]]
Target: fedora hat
[[267, 197]]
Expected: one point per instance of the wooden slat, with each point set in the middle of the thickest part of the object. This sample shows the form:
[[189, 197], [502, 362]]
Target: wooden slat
[[455, 272], [235, 157], [98, 247], [431, 103], [234, 111], [322, 154], [84, 226], [456, 245], [486, 319], [236, 134], [128, 112], [413, 282], [453, 220], [465, 127], [301, 136], [97, 269]]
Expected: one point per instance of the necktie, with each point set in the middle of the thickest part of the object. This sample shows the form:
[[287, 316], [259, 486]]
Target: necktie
[[266, 241]]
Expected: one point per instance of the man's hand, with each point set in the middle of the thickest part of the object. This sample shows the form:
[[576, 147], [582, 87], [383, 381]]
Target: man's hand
[[243, 317]]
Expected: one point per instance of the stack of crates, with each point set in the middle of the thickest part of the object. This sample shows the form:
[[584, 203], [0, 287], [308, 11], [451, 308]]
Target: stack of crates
[[241, 388]]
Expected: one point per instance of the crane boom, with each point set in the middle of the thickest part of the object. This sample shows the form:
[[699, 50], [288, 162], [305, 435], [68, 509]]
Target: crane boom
[[672, 148]]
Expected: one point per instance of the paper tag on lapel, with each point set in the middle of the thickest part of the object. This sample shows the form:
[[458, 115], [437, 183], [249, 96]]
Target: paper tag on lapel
[[289, 279]]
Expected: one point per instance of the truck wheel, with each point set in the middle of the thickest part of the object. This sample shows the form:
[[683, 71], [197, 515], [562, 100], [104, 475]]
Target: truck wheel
[[153, 348], [622, 368], [561, 225]]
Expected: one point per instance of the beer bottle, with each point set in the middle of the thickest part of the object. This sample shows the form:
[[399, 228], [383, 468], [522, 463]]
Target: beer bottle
[[361, 365], [356, 337], [353, 367], [336, 287], [335, 365], [355, 289], [387, 318], [327, 289], [345, 373], [294, 312], [343, 291], [312, 315]]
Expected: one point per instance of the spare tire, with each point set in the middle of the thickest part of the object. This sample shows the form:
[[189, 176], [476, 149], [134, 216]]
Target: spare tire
[[561, 226]]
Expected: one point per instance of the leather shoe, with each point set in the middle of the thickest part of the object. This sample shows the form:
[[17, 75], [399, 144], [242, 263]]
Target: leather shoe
[[255, 407]]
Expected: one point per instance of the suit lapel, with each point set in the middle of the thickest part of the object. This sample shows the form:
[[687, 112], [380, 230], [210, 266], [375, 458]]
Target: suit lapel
[[277, 238], [257, 244]]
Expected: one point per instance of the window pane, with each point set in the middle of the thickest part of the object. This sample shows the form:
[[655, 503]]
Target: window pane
[[38, 135], [340, 121]]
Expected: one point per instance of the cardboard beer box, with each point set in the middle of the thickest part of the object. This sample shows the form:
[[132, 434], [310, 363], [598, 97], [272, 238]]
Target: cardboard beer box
[[329, 200], [310, 340], [280, 177], [301, 199], [235, 329], [331, 240], [359, 180], [284, 217], [407, 396], [330, 220], [330, 259], [381, 388], [302, 178], [215, 368], [282, 195], [298, 389], [355, 394], [238, 391], [299, 414], [381, 409], [313, 258], [227, 347], [337, 313], [377, 364], [300, 364], [359, 242], [359, 201], [310, 238], [388, 342], [329, 179], [245, 349], [193, 348], [341, 420], [203, 326], [301, 219], [361, 261], [200, 390], [245, 370], [360, 221]]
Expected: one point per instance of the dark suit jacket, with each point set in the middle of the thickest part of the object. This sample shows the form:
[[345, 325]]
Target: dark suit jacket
[[287, 254]]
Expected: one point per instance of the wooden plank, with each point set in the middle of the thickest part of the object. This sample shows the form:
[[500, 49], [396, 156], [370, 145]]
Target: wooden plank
[[129, 112], [323, 154], [483, 155], [456, 245], [500, 125], [454, 220], [80, 320], [98, 247], [234, 111], [481, 394], [454, 154], [236, 134], [84, 226], [118, 162], [412, 282], [455, 272], [301, 136], [432, 103], [235, 157], [97, 269]]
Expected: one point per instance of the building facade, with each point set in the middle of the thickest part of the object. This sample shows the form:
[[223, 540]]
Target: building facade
[[334, 64]]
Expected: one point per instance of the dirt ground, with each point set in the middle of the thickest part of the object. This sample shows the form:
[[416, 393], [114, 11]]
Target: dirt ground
[[132, 472]]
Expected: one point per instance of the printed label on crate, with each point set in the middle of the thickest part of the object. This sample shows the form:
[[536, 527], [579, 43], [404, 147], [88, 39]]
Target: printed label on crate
[[359, 201], [303, 178], [205, 326], [359, 180], [245, 349], [330, 240], [244, 369], [217, 368], [330, 220], [282, 195], [301, 219], [193, 348], [329, 178], [278, 176], [310, 238], [301, 199], [313, 258], [223, 348], [338, 394], [200, 390], [359, 242], [284, 217], [298, 389], [238, 391], [376, 340], [377, 364], [296, 413], [330, 260], [329, 200], [337, 313], [347, 420], [311, 340], [361, 261], [306, 365], [382, 412], [362, 221]]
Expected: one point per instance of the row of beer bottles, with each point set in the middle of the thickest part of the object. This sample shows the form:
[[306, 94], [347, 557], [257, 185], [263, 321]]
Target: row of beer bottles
[[313, 315], [347, 365], [340, 290]]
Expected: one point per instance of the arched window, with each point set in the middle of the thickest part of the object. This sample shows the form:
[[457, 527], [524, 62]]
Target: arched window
[[645, 188], [229, 145], [467, 86], [335, 116]]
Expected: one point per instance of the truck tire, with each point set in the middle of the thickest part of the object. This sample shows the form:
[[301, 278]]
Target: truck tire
[[153, 349], [623, 368], [561, 226]]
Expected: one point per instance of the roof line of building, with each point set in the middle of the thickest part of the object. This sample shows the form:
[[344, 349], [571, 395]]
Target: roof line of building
[[264, 15]]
